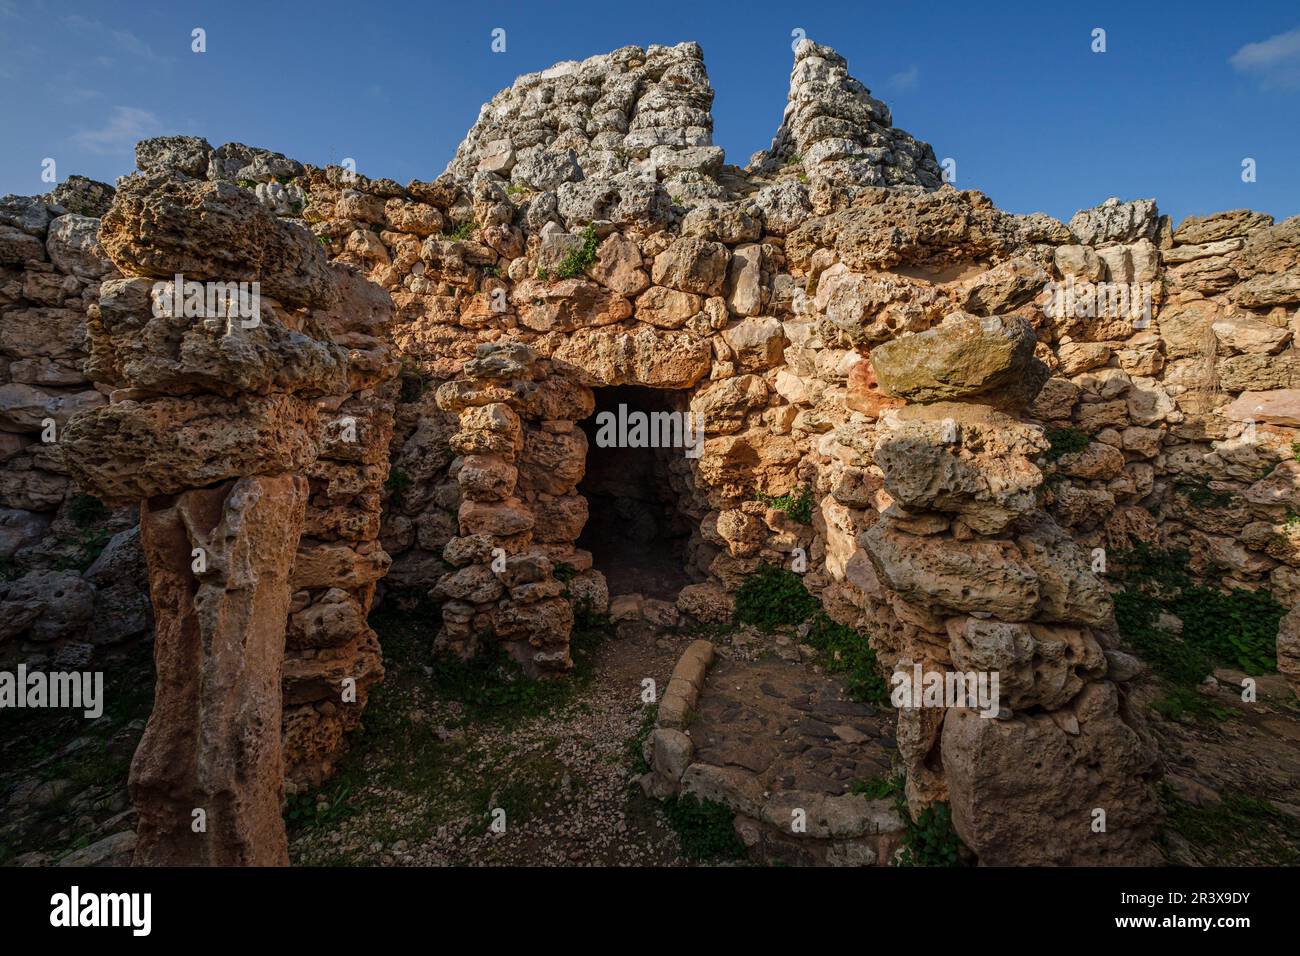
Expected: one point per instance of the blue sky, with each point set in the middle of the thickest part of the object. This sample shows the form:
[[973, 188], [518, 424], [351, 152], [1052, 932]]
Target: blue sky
[[1034, 118]]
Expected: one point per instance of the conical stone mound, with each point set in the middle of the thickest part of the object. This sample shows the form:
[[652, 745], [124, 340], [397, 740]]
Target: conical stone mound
[[836, 129]]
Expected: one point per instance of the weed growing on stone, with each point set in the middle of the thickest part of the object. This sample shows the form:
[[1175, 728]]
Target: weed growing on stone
[[845, 651], [575, 264], [88, 515], [1202, 496], [797, 504], [705, 828], [1237, 628], [397, 483], [459, 231], [86, 547], [86, 510], [1065, 441], [876, 788], [772, 596], [929, 840]]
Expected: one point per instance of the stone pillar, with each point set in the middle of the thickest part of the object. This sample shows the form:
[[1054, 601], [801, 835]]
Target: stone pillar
[[208, 777], [521, 460], [973, 577], [213, 425]]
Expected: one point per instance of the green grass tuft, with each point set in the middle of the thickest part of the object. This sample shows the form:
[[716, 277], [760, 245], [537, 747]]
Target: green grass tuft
[[576, 263], [847, 652], [771, 597], [1066, 441], [797, 504], [705, 828]]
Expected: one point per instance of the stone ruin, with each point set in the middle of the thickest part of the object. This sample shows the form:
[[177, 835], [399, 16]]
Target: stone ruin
[[410, 410]]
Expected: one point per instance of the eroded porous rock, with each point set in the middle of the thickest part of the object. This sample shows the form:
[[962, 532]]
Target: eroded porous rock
[[940, 412], [212, 743], [161, 225], [836, 129], [1065, 787]]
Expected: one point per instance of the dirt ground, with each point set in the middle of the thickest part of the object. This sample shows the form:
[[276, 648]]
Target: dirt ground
[[442, 747]]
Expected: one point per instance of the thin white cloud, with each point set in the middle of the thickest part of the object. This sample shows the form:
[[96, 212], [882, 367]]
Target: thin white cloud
[[74, 95], [906, 80], [1275, 62], [126, 125], [123, 41]]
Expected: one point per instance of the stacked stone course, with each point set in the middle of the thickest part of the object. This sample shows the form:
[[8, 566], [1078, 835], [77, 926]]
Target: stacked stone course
[[68, 590], [842, 322]]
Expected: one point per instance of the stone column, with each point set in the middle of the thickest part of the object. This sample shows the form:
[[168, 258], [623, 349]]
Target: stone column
[[213, 425], [974, 578], [212, 743], [521, 460]]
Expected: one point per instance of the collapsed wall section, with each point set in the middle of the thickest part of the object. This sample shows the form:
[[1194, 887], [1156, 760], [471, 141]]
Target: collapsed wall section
[[835, 129]]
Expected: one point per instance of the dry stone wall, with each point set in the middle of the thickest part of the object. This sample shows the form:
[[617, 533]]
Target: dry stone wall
[[72, 584], [840, 322]]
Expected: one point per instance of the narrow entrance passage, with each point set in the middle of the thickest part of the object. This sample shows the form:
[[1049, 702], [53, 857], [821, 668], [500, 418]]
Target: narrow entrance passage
[[635, 531]]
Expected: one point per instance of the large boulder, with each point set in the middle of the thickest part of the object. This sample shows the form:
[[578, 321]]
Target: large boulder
[[989, 361], [621, 356], [25, 408], [137, 340], [187, 155], [1037, 665], [959, 577], [160, 226], [1068, 788], [46, 606], [83, 196], [73, 246], [122, 608], [1114, 221], [131, 450], [692, 265], [968, 460]]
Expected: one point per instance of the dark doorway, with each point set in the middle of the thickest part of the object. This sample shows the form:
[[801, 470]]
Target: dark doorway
[[635, 531]]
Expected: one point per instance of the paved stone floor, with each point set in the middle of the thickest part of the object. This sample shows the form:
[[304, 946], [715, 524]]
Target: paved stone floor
[[789, 727]]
